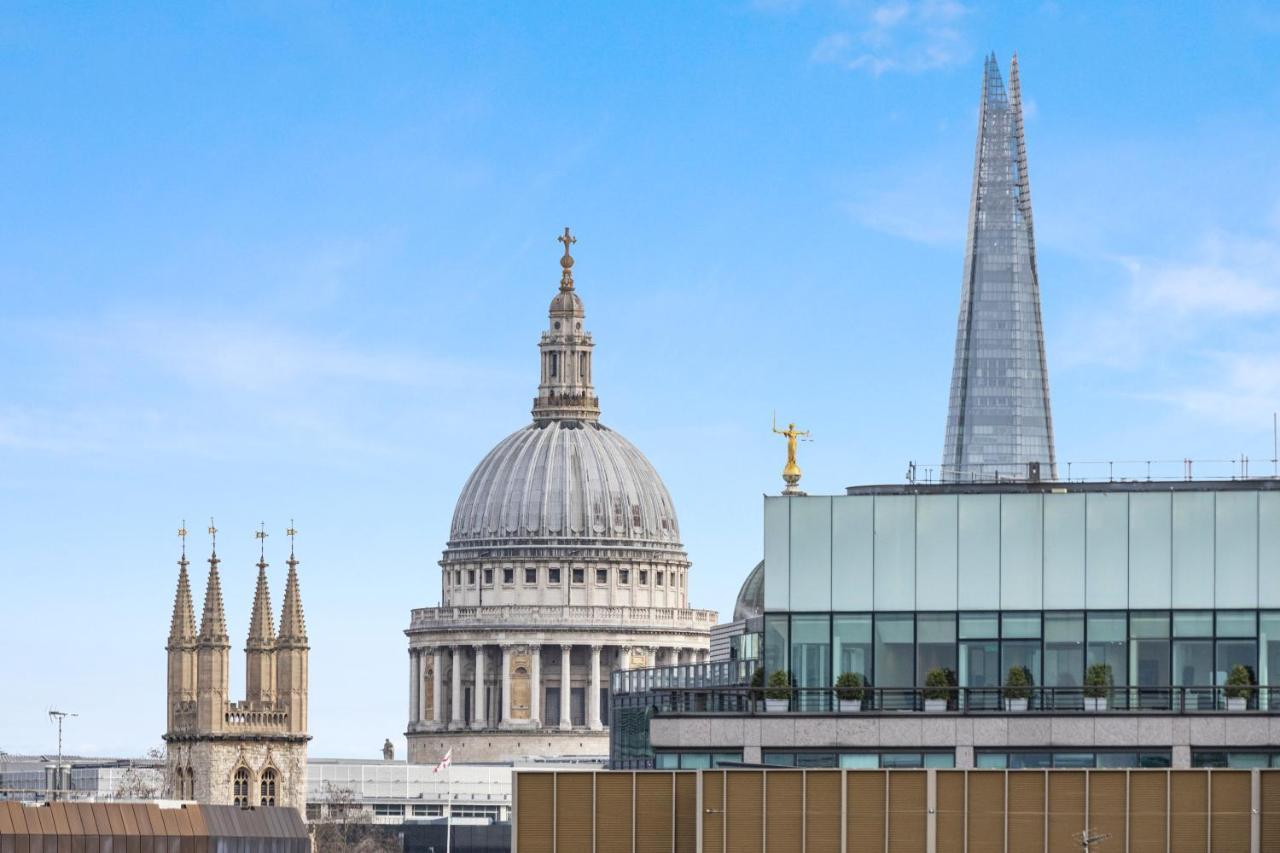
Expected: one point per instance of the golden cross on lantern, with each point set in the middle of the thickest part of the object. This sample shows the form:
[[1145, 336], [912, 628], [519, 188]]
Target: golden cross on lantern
[[568, 240], [182, 534]]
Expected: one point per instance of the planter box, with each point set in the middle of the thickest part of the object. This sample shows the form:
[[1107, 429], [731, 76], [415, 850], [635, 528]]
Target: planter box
[[1095, 704], [777, 706], [935, 706], [1236, 703], [1015, 704], [850, 706]]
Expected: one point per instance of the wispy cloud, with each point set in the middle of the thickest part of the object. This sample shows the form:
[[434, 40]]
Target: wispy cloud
[[909, 36]]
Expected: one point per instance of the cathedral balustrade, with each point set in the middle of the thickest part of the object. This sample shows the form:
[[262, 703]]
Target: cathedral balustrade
[[514, 615], [241, 717]]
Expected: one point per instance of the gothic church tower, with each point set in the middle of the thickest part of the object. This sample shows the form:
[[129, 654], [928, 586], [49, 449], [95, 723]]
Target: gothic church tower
[[250, 753]]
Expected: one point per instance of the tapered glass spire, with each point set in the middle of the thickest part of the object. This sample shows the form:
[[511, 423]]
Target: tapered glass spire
[[998, 421]]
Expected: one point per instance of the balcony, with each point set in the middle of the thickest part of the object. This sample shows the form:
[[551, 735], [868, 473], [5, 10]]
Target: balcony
[[510, 616]]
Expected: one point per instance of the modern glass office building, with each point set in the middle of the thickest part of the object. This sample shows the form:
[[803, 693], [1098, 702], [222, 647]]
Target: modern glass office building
[[1015, 624]]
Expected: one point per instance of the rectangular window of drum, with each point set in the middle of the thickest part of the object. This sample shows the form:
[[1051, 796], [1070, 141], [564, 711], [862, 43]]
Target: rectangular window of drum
[[530, 575], [659, 578], [602, 576], [578, 576], [471, 577], [624, 576], [508, 576], [488, 577], [553, 576]]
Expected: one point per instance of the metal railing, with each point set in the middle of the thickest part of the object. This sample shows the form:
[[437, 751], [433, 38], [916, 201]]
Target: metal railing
[[751, 701], [1105, 471]]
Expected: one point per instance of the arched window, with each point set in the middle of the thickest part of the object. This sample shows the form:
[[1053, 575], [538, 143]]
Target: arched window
[[240, 787], [268, 786], [191, 783]]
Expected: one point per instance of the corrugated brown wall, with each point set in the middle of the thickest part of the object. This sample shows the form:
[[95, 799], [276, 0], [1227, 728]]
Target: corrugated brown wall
[[802, 811]]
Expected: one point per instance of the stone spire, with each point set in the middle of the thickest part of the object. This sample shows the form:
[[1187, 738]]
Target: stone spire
[[182, 627], [998, 420], [293, 628], [565, 391], [262, 626], [213, 621]]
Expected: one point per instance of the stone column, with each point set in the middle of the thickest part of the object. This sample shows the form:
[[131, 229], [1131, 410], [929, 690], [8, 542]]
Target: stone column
[[478, 709], [506, 686], [624, 657], [422, 679], [437, 687], [535, 686], [455, 716], [413, 686], [566, 722], [593, 692]]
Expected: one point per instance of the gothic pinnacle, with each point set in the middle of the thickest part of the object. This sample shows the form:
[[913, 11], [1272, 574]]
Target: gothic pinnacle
[[262, 631], [293, 627], [213, 621], [182, 628]]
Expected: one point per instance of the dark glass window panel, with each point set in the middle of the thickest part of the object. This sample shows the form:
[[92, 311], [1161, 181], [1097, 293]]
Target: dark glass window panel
[[1196, 623], [894, 650], [810, 660], [1237, 624], [779, 759], [1155, 760], [816, 759], [979, 626], [1117, 759], [1076, 759], [1063, 651], [776, 643], [901, 760], [992, 760], [1030, 760], [851, 637], [935, 644], [1020, 626]]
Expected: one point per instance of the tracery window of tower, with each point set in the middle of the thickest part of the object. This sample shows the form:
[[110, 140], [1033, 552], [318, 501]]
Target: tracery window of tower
[[240, 787], [267, 788]]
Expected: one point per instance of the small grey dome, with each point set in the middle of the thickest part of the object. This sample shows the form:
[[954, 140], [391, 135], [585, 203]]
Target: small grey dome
[[750, 601], [565, 479]]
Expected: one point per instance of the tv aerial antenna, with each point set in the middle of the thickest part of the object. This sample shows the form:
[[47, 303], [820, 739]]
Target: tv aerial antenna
[[1089, 837], [59, 716]]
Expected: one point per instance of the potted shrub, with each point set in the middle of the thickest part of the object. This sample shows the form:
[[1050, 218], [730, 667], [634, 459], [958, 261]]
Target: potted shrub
[[939, 687], [1097, 686], [850, 691], [1017, 688], [777, 696], [1239, 687]]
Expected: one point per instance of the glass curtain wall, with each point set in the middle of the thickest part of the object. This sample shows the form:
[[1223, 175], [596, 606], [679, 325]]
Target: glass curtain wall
[[777, 646], [1020, 646], [895, 659], [1238, 646], [1269, 660], [1149, 658], [811, 661], [979, 664], [1105, 636], [1064, 659], [1193, 657], [851, 645], [935, 645]]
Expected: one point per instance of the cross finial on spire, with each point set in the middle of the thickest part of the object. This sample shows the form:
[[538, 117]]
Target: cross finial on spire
[[566, 262], [291, 532], [182, 534], [261, 535], [213, 536]]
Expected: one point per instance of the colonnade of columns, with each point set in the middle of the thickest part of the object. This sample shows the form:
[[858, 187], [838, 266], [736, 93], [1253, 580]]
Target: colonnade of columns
[[430, 709]]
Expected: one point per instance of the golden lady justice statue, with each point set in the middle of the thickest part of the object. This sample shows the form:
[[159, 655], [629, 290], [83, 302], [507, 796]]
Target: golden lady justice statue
[[790, 473]]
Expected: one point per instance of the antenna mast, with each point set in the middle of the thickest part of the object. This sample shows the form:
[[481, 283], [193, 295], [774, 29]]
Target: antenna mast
[[57, 770]]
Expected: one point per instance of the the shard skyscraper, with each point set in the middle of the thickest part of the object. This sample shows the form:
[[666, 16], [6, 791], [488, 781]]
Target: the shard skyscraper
[[998, 421]]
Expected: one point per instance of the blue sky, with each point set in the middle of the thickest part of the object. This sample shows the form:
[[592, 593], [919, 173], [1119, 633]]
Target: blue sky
[[280, 260]]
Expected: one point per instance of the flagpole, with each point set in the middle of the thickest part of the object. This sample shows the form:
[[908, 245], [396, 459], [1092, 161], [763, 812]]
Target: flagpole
[[448, 821]]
